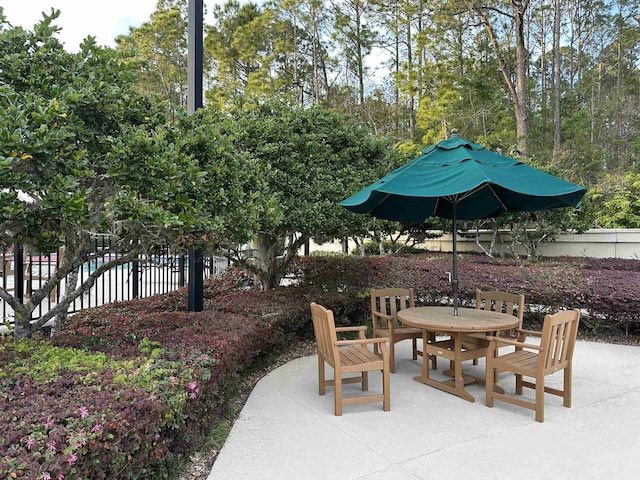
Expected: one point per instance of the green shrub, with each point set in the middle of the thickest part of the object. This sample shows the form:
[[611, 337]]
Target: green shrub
[[80, 414]]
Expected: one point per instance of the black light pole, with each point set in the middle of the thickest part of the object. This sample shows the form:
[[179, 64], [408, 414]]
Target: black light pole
[[194, 102], [18, 271]]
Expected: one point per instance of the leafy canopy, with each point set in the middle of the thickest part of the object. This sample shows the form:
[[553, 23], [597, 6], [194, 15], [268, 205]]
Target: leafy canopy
[[82, 152], [313, 158]]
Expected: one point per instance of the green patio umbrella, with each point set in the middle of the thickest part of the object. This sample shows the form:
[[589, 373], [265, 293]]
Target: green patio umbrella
[[459, 179]]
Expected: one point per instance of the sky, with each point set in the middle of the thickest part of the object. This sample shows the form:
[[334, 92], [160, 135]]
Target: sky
[[103, 19]]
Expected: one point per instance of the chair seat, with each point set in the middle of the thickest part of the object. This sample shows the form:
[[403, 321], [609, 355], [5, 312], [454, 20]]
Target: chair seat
[[521, 362], [359, 359]]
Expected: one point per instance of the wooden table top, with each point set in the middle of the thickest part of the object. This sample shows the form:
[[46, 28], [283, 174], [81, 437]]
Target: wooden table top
[[441, 319]]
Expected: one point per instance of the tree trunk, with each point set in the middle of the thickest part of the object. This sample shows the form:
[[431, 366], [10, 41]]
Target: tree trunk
[[272, 258], [522, 78], [412, 101], [556, 80], [73, 261], [265, 260], [359, 59], [517, 91], [543, 62], [396, 90]]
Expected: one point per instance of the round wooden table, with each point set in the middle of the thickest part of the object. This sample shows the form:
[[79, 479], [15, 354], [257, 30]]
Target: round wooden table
[[441, 320]]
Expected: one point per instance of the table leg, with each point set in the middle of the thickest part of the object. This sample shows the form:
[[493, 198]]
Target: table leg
[[425, 354], [457, 360], [454, 386]]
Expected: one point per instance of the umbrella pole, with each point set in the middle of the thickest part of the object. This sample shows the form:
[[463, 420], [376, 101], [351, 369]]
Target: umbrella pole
[[455, 262]]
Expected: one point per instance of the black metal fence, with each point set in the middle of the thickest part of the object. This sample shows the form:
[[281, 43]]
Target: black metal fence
[[23, 273]]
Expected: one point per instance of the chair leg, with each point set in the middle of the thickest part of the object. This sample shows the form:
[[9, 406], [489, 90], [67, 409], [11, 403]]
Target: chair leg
[[566, 394], [540, 399], [321, 381], [365, 381], [386, 390], [337, 394], [415, 348], [518, 384], [392, 357], [489, 383]]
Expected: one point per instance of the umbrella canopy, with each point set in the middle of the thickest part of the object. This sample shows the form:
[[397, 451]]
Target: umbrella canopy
[[459, 179]]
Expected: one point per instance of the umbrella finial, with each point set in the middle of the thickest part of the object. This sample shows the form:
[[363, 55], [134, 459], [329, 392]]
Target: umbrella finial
[[454, 132]]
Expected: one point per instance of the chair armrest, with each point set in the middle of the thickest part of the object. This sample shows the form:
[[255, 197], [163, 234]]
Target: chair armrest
[[352, 329], [364, 341], [391, 320], [382, 315], [361, 329], [533, 333], [506, 341]]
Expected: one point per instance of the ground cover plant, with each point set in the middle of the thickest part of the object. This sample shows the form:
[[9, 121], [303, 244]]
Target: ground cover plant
[[130, 389]]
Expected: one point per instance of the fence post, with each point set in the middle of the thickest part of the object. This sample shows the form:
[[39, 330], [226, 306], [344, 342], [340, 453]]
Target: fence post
[[196, 287], [181, 267], [18, 272], [135, 277]]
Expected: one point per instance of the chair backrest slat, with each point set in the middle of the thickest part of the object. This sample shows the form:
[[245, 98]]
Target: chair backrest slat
[[501, 302], [558, 339], [324, 328], [390, 300]]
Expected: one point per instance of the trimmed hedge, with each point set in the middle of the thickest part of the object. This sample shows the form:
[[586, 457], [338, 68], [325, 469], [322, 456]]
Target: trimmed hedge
[[605, 289]]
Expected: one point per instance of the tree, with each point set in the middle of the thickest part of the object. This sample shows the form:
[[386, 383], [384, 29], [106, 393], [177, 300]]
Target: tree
[[518, 89], [620, 209], [158, 51], [83, 153], [315, 159], [356, 39], [254, 52], [403, 35], [311, 22]]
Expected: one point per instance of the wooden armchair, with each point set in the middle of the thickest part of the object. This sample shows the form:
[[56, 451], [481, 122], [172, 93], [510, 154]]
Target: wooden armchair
[[498, 302], [385, 304], [554, 353], [353, 358]]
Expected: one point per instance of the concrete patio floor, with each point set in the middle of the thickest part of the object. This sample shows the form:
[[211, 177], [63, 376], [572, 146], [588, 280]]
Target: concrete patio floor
[[286, 431]]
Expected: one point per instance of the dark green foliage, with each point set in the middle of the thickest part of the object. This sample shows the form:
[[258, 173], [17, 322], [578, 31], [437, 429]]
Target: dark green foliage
[[82, 151], [312, 158]]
